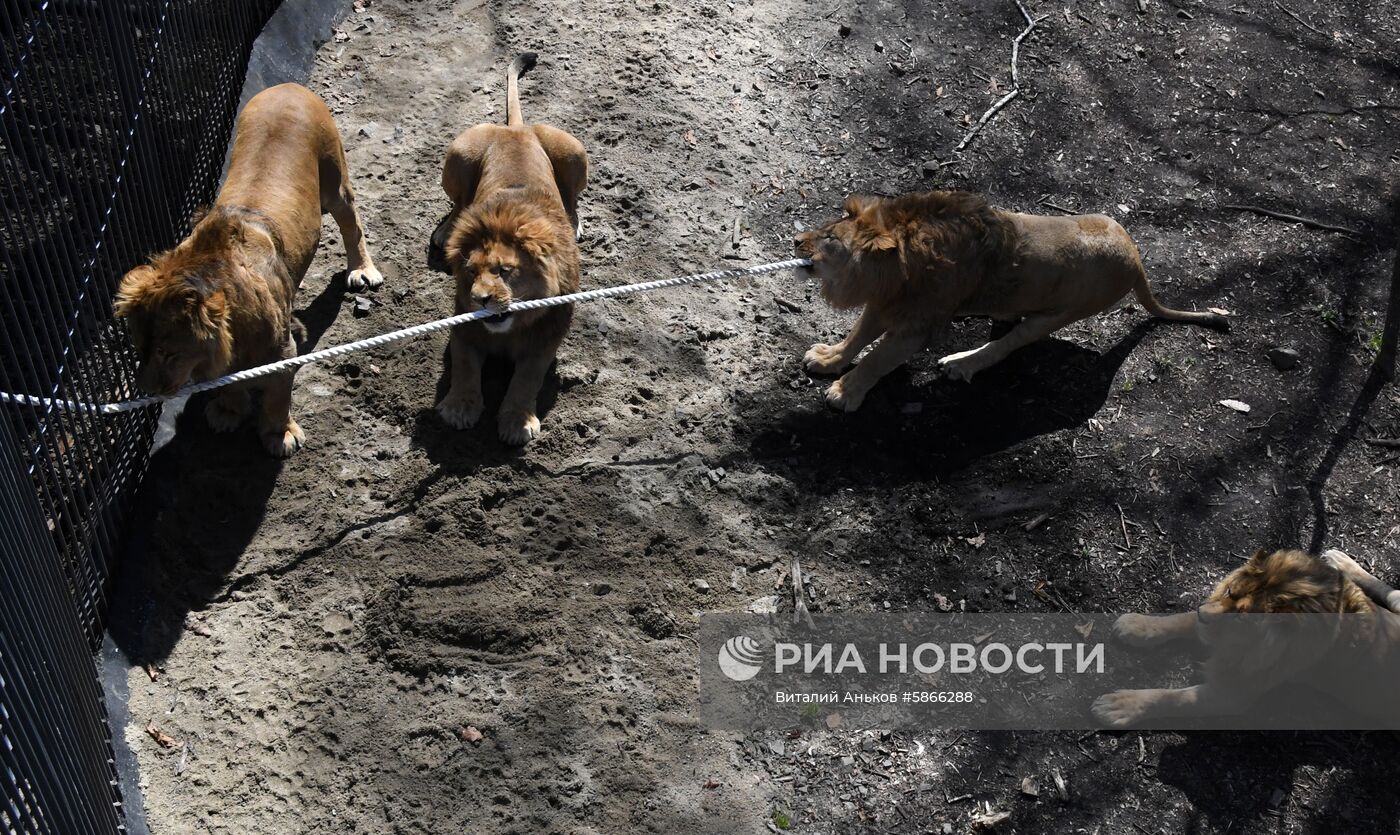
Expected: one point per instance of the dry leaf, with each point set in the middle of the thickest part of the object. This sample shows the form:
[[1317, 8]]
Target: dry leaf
[[470, 733], [1220, 311], [162, 738], [987, 820], [1237, 405]]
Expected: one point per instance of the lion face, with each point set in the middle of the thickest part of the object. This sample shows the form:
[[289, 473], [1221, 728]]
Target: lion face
[[501, 254], [854, 256], [179, 325]]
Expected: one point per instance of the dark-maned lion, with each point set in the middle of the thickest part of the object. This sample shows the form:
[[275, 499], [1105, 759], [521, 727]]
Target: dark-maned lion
[[221, 300], [917, 262], [509, 237], [1358, 665]]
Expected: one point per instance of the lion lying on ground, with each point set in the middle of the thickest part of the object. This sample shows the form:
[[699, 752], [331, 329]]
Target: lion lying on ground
[[917, 262], [509, 237], [1359, 665], [221, 300]]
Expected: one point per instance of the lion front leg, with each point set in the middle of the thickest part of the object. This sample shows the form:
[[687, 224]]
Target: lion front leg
[[517, 422], [1151, 630], [1129, 708], [832, 359], [461, 407], [847, 393]]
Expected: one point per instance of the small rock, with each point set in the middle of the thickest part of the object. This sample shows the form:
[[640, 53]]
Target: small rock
[[1238, 405], [879, 46], [700, 586], [844, 31], [848, 761], [1284, 358], [1030, 787], [362, 305], [600, 589]]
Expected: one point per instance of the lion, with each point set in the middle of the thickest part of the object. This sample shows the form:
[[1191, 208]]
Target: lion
[[510, 236], [1331, 625], [917, 262], [221, 300]]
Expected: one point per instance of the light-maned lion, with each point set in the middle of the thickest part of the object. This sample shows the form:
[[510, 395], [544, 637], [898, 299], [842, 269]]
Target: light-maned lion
[[917, 262], [510, 236], [1325, 623], [221, 300]]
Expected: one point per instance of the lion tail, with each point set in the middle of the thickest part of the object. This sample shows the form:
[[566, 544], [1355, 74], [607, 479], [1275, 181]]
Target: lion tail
[[521, 65], [1143, 290]]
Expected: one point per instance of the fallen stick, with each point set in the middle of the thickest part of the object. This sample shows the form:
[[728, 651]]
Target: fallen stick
[[1123, 522], [1315, 224], [1057, 207], [1389, 443], [1295, 16], [1015, 78]]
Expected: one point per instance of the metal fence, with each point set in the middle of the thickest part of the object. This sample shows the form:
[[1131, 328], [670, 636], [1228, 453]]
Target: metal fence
[[114, 120]]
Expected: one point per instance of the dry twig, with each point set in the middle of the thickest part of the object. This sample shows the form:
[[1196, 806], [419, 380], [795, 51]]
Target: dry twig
[[1315, 224], [1295, 16], [1015, 77]]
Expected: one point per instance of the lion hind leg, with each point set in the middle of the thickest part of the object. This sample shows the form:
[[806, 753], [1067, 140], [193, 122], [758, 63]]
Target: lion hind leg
[[966, 364], [1375, 588]]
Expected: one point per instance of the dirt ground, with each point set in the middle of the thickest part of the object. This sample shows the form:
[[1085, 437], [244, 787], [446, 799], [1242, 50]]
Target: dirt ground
[[330, 634]]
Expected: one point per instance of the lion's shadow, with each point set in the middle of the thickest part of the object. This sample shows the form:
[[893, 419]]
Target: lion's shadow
[[910, 430]]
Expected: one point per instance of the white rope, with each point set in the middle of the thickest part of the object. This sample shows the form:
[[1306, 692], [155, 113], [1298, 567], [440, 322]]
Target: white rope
[[394, 336]]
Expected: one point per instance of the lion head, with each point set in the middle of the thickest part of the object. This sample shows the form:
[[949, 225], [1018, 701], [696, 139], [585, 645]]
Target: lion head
[[510, 249], [1287, 581], [855, 257], [178, 307], [871, 253], [1303, 594]]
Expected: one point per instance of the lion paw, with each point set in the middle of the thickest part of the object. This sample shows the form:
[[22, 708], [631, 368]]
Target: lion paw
[[1121, 708], [1137, 630], [823, 359], [459, 411], [367, 278], [518, 428], [960, 366], [842, 401], [225, 414], [282, 444]]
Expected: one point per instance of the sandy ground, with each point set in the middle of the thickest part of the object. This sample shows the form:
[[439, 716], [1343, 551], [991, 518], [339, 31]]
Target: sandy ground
[[331, 634]]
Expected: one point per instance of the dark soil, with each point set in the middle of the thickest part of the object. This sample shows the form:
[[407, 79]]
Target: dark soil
[[397, 582]]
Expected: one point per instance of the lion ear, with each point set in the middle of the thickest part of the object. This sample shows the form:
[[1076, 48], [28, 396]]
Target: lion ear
[[1259, 557], [536, 238], [855, 204], [133, 289]]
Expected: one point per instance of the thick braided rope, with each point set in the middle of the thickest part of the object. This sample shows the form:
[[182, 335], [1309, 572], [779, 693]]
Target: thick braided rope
[[395, 336]]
